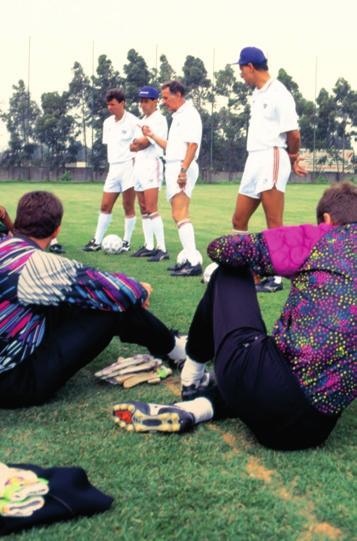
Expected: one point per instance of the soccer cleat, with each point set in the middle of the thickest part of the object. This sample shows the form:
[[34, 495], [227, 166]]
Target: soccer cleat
[[125, 247], [268, 285], [146, 417], [92, 246], [159, 255], [188, 270], [190, 392], [57, 249], [144, 252], [177, 266]]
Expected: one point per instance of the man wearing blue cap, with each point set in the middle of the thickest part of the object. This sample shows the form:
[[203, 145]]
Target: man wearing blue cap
[[273, 149], [148, 173]]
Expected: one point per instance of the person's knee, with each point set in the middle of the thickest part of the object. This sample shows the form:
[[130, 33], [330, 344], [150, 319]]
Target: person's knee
[[239, 222], [106, 207]]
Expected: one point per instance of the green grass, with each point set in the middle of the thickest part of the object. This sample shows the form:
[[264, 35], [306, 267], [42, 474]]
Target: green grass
[[216, 483]]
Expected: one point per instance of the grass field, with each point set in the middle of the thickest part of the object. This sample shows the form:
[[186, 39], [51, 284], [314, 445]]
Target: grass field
[[215, 483]]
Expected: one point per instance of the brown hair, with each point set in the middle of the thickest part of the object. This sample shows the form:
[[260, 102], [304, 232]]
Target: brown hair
[[340, 201], [38, 214], [115, 94], [174, 87]]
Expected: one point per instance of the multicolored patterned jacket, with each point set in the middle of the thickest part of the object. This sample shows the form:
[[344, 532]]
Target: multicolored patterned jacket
[[31, 278], [316, 331]]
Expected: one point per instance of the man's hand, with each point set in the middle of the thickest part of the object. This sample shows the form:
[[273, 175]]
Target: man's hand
[[134, 146], [3, 213], [149, 290], [299, 169], [147, 131], [182, 178]]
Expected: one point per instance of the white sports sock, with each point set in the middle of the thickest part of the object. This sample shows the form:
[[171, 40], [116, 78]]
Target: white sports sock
[[187, 238], [129, 226], [148, 232], [178, 353], [158, 230], [192, 372], [103, 223], [239, 232], [53, 242], [201, 408], [277, 279]]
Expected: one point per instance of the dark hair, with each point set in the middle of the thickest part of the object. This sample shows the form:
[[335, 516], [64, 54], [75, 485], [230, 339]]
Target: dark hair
[[38, 214], [340, 201], [115, 94], [174, 87], [263, 66]]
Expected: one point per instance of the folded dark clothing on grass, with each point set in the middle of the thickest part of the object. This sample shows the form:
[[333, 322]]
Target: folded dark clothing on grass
[[70, 495]]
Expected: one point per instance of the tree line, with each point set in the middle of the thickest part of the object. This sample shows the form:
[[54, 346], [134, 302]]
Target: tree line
[[67, 126]]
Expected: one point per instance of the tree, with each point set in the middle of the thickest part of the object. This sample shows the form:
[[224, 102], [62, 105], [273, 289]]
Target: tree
[[196, 81], [137, 75], [79, 96], [20, 121], [166, 71], [56, 130]]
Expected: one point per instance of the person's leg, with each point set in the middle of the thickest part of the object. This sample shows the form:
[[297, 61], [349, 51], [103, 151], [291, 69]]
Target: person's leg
[[105, 216], [151, 200], [147, 227], [245, 207], [129, 211], [273, 206]]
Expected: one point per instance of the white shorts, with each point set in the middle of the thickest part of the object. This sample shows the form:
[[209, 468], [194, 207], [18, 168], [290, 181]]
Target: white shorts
[[120, 177], [263, 170], [172, 170], [148, 174]]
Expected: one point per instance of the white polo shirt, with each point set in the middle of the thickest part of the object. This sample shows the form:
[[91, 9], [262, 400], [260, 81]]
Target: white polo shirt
[[272, 114], [158, 124], [186, 128], [117, 135]]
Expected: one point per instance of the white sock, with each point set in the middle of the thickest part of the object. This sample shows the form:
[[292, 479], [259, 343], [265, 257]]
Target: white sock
[[201, 408], [158, 230], [178, 353], [239, 232], [148, 232], [187, 238], [54, 241], [129, 226], [277, 279], [103, 223], [192, 372]]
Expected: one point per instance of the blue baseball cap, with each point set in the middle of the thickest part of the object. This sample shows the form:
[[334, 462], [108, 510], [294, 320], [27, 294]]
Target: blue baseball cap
[[149, 92], [251, 55]]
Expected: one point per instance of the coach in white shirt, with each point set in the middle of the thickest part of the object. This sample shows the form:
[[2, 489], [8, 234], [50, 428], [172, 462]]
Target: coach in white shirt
[[148, 175], [273, 148], [118, 132], [181, 152]]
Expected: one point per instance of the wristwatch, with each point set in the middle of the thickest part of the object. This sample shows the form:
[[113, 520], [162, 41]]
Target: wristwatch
[[183, 170]]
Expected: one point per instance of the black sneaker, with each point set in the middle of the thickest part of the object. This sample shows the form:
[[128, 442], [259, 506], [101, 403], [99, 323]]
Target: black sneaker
[[125, 248], [190, 392], [269, 285], [145, 417], [160, 255], [177, 266], [57, 249], [92, 246], [188, 270], [144, 252]]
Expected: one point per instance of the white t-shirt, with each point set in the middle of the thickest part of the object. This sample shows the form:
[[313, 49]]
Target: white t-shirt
[[272, 114], [158, 124], [117, 135], [186, 128]]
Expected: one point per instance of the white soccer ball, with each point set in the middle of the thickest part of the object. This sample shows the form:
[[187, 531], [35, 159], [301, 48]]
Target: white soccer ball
[[209, 270], [112, 244], [195, 259]]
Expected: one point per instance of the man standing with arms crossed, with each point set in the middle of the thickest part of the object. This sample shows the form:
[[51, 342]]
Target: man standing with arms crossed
[[118, 132], [181, 152], [273, 149], [148, 173]]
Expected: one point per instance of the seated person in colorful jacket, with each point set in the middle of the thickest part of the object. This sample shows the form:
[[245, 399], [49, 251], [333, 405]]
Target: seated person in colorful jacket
[[56, 315], [6, 224], [289, 387]]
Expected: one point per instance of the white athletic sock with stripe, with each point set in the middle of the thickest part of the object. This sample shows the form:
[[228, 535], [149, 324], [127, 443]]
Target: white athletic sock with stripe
[[148, 232], [103, 223], [129, 226], [158, 230], [187, 238], [201, 408], [192, 372]]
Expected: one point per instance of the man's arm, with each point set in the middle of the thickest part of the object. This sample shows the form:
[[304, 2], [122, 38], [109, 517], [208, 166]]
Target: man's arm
[[186, 162], [5, 219], [293, 142], [147, 131], [139, 143]]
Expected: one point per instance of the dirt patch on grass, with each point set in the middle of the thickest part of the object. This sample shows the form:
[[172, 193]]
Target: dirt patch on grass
[[256, 470], [323, 529]]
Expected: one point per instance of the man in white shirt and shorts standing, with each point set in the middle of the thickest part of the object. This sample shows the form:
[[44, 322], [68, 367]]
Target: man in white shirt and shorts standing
[[118, 132], [181, 153], [148, 175], [273, 149]]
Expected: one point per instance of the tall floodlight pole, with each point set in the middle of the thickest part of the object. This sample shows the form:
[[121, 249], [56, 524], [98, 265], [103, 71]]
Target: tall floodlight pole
[[315, 121], [92, 88], [212, 111], [28, 90]]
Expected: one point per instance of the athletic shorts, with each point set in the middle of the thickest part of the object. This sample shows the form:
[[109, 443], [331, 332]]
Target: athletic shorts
[[172, 171], [120, 177], [263, 170], [148, 174]]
